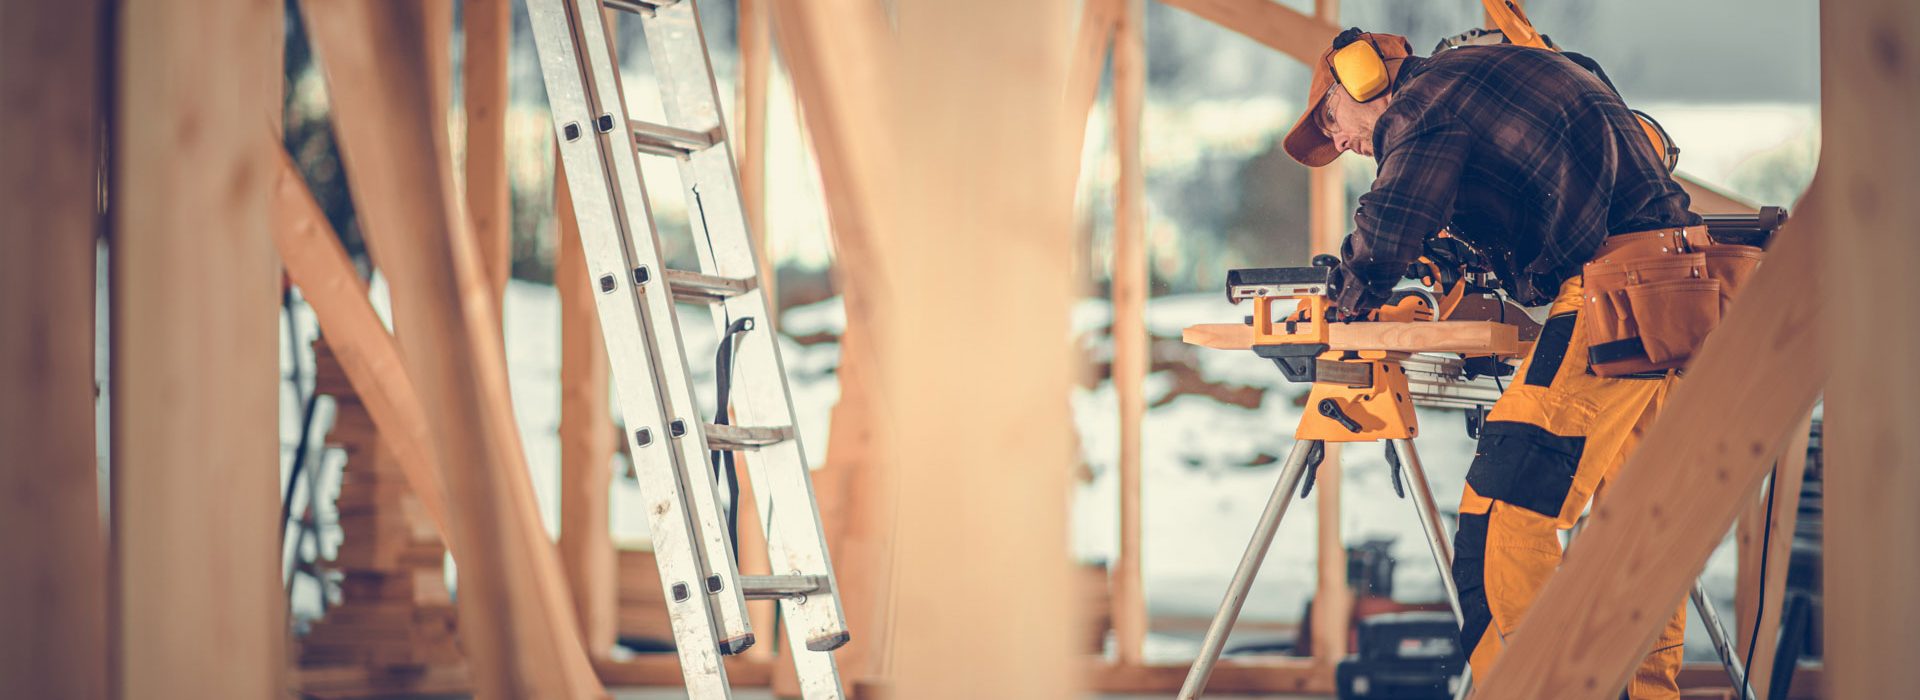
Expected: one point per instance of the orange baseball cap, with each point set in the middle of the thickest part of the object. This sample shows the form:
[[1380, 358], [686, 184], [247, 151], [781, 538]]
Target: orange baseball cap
[[1306, 142]]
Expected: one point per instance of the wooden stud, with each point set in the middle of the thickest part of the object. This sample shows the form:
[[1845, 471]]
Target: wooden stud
[[489, 38], [587, 436], [1263, 676], [990, 486], [1708, 200], [1098, 21], [1130, 341], [1327, 222], [1870, 55], [195, 388], [839, 54], [54, 594], [1788, 472], [316, 261], [750, 139], [1679, 492], [1282, 28], [386, 67]]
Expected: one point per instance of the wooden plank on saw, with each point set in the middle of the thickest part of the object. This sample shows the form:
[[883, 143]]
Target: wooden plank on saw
[[1413, 336]]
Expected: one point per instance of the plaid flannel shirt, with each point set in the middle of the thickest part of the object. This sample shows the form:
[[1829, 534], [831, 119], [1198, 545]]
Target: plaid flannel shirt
[[1520, 152]]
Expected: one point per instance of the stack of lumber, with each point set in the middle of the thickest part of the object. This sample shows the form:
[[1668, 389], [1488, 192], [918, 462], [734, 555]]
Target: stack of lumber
[[393, 631]]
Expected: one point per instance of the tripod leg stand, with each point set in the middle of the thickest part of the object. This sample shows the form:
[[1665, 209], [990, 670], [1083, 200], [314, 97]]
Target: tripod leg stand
[[1299, 462]]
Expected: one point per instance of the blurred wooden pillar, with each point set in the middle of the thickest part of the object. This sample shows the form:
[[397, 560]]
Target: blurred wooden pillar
[[1870, 54], [54, 594], [196, 587], [981, 531], [1131, 346], [1327, 223], [587, 437], [387, 72], [839, 56], [489, 36]]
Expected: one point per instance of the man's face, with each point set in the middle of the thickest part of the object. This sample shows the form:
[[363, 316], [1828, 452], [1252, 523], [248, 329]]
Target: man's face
[[1349, 124]]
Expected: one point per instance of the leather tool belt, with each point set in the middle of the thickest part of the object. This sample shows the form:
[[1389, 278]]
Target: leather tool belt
[[1653, 296]]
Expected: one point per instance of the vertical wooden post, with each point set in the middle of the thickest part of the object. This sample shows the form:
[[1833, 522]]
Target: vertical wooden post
[[1789, 470], [1870, 54], [195, 354], [586, 437], [1131, 346], [54, 594], [987, 489], [756, 65], [489, 35], [386, 65], [840, 57], [1327, 223]]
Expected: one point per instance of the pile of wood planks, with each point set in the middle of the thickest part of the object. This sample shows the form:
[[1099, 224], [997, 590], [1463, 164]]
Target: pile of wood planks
[[394, 630]]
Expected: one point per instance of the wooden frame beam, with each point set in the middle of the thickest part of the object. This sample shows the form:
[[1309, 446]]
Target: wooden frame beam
[[318, 264], [53, 596], [1870, 55], [1129, 281], [387, 68], [840, 56], [489, 38], [1282, 28], [1327, 222], [1789, 470], [959, 207], [196, 596], [750, 137], [1706, 199], [587, 437]]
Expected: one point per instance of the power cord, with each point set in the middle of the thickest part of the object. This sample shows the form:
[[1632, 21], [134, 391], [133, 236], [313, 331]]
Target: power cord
[[1760, 604]]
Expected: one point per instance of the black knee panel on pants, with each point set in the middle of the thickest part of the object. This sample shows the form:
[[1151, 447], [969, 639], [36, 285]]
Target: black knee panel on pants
[[1469, 575], [1523, 464]]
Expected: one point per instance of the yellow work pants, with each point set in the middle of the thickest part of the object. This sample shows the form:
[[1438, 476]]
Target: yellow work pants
[[1553, 441]]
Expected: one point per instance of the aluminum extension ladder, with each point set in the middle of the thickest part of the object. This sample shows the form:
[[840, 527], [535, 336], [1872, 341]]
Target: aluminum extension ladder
[[674, 450]]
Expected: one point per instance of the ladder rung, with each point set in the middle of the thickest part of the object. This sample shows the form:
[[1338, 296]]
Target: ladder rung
[[636, 6], [790, 586], [691, 286], [736, 438], [663, 140]]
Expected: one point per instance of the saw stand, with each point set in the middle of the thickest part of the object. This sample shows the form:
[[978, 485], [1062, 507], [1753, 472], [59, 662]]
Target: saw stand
[[1363, 396], [1364, 399]]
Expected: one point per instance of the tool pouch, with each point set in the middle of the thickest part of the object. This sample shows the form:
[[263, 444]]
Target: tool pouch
[[1653, 297]]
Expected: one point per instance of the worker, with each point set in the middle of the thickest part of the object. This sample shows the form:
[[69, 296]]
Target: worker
[[1537, 163]]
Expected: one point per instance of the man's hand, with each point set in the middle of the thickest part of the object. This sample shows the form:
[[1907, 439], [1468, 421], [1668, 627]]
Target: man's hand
[[1352, 296]]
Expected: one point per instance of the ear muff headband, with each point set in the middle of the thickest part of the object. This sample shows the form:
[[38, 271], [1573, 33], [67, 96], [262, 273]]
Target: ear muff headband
[[1360, 70]]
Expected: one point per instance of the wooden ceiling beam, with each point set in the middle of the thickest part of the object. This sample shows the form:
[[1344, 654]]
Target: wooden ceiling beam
[[1282, 28]]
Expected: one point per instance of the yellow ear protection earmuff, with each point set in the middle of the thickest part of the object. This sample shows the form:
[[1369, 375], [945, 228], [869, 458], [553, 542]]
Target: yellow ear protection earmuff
[[1358, 66]]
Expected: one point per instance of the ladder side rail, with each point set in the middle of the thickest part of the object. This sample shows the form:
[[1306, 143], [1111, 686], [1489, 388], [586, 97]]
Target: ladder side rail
[[681, 432], [598, 209], [796, 539]]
